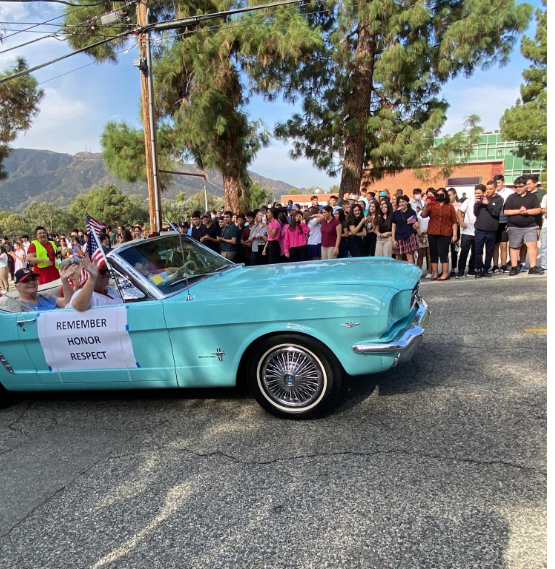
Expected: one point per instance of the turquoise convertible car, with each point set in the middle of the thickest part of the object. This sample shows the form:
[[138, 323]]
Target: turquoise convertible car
[[191, 318]]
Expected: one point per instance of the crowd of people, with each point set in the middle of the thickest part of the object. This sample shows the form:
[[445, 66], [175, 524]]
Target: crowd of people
[[494, 231]]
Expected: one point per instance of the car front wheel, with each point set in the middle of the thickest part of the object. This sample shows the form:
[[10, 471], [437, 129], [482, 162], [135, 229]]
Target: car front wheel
[[294, 377]]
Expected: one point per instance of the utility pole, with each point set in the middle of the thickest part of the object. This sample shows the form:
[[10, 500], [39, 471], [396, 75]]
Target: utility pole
[[149, 121]]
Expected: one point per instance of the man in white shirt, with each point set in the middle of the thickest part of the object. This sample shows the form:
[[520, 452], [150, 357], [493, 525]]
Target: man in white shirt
[[466, 218], [543, 250], [416, 200], [95, 291]]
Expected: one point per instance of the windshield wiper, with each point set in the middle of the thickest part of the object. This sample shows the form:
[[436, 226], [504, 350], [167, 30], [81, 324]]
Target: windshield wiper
[[201, 275], [188, 279], [229, 267]]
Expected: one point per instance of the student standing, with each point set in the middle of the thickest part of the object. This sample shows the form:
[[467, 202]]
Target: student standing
[[331, 233], [404, 226], [356, 222], [296, 238], [442, 230], [521, 209], [382, 227], [272, 249]]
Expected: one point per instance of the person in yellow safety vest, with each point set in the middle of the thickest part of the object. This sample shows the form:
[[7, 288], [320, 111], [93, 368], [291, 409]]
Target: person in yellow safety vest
[[41, 255]]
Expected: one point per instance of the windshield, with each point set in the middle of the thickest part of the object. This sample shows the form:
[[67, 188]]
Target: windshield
[[170, 261]]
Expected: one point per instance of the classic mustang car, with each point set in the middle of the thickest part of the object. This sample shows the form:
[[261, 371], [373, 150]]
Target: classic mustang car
[[191, 318]]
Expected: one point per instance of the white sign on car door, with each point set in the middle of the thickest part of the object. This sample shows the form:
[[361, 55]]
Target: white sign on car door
[[95, 339]]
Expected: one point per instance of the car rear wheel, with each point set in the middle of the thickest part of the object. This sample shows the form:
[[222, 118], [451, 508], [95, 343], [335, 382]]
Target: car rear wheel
[[294, 376]]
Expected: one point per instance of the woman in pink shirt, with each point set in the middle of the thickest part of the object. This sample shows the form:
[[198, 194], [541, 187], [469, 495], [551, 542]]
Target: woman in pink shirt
[[296, 238], [272, 249]]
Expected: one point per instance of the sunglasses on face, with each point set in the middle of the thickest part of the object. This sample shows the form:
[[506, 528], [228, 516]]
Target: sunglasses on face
[[103, 271]]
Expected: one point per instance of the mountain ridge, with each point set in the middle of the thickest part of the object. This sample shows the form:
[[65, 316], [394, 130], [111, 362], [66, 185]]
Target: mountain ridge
[[58, 178]]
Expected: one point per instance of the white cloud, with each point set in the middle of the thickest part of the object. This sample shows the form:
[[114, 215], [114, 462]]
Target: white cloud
[[274, 162], [488, 102], [13, 11], [62, 125]]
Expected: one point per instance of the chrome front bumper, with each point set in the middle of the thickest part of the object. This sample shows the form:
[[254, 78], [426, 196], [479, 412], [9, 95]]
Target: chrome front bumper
[[406, 344]]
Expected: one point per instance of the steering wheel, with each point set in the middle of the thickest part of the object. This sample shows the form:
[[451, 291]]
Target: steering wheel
[[188, 269]]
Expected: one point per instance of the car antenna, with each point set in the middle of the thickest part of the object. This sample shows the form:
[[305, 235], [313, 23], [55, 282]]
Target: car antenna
[[189, 297]]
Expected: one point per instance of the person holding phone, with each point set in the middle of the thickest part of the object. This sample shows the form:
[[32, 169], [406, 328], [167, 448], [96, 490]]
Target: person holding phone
[[442, 230], [487, 209]]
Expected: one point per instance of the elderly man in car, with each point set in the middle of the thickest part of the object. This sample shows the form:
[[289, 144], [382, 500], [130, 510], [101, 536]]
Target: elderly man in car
[[96, 290], [30, 299]]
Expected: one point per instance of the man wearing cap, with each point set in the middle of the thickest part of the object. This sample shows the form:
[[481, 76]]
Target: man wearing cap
[[183, 227], [42, 255], [209, 233], [30, 300]]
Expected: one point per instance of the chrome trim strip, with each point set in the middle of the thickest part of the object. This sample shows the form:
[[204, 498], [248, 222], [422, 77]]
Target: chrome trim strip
[[406, 343], [5, 363], [142, 283]]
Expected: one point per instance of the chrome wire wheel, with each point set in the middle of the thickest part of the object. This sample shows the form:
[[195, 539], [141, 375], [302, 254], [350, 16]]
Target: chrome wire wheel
[[292, 377]]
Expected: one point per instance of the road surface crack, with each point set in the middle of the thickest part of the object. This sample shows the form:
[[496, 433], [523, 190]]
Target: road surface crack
[[366, 454]]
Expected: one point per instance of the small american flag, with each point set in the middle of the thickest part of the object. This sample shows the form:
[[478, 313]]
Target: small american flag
[[93, 248]]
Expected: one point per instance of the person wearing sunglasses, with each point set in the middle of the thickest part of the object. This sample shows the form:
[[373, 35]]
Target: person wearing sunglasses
[[95, 291]]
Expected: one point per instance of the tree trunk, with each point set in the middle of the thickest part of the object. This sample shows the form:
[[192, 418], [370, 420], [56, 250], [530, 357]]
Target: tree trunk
[[231, 193], [358, 109]]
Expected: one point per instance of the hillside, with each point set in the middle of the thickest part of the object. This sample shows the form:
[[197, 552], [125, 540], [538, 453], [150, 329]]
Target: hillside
[[45, 176]]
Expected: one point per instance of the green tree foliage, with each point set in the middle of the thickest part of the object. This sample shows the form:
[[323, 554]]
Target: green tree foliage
[[19, 103], [179, 210], [526, 122], [107, 205], [372, 93], [54, 219], [201, 85], [13, 225], [254, 196], [294, 192]]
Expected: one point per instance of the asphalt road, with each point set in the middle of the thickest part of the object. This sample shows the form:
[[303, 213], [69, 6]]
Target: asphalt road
[[439, 463]]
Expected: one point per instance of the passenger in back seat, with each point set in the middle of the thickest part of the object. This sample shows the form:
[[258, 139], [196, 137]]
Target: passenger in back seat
[[30, 300]]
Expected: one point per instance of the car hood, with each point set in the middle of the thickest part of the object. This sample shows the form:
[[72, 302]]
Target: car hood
[[309, 277]]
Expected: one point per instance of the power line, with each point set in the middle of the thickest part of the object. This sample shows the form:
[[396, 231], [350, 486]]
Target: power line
[[172, 24], [81, 67], [57, 2], [46, 64], [55, 18], [30, 42]]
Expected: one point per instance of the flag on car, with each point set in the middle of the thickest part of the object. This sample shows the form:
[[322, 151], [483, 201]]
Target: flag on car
[[94, 249]]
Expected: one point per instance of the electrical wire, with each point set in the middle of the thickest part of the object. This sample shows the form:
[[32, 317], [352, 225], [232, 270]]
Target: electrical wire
[[57, 2], [55, 18], [61, 58], [30, 42], [82, 67], [182, 21]]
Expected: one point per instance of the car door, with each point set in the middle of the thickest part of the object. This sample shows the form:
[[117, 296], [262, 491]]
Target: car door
[[107, 347], [18, 370]]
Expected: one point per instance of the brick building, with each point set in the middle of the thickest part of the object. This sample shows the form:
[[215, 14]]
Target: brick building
[[463, 177]]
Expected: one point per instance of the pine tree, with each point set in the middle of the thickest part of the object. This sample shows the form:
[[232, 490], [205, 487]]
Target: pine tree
[[19, 103], [200, 86], [372, 94], [526, 122]]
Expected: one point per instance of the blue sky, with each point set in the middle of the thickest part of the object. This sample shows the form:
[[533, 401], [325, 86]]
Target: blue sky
[[76, 106]]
